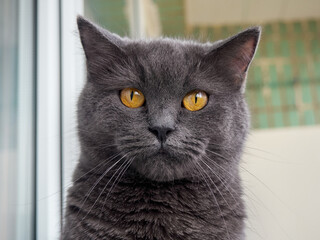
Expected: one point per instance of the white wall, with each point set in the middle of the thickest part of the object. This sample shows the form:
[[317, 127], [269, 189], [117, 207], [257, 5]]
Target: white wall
[[281, 172]]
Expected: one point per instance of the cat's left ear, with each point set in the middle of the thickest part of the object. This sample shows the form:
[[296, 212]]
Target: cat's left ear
[[233, 56], [102, 50]]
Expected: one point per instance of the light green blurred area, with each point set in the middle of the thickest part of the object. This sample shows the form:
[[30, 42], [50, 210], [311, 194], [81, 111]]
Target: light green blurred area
[[283, 87], [110, 14]]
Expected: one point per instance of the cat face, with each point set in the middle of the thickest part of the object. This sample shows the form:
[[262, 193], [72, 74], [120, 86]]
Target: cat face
[[164, 138]]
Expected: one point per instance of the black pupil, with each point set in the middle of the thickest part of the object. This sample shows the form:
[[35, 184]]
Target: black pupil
[[196, 98], [131, 95]]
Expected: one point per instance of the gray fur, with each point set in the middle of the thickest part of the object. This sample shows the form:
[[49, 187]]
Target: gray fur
[[124, 188]]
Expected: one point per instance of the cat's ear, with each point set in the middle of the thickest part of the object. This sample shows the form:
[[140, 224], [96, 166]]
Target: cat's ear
[[233, 56], [102, 49]]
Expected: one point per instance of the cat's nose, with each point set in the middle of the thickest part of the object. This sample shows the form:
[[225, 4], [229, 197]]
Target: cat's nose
[[161, 132]]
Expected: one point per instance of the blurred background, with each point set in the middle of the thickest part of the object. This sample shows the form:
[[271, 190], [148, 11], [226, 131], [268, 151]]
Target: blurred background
[[42, 72]]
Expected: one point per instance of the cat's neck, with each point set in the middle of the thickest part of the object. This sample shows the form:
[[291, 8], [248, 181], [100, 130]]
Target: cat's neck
[[118, 188], [143, 206]]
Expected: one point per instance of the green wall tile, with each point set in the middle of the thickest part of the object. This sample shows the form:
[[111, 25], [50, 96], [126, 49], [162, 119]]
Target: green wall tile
[[257, 75], [303, 72], [287, 72], [315, 46], [317, 79], [312, 26], [268, 29], [297, 27], [278, 119], [273, 76], [250, 96], [284, 48], [260, 101], [300, 48], [306, 94], [309, 117], [263, 120], [283, 28], [290, 96], [275, 97], [317, 71], [294, 118], [270, 49]]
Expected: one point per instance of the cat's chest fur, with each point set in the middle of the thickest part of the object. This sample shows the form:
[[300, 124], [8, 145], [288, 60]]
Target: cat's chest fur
[[136, 208]]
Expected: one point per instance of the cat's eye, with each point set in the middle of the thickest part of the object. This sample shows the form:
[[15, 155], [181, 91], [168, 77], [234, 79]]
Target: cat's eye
[[195, 100], [132, 97]]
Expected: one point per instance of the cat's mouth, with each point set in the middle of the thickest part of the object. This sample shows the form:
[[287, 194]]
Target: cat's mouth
[[164, 153], [164, 163], [166, 150], [163, 150]]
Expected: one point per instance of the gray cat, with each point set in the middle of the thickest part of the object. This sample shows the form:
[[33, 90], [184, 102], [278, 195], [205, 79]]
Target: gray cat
[[162, 124]]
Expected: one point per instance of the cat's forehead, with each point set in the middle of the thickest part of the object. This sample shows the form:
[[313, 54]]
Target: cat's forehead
[[168, 53], [167, 63]]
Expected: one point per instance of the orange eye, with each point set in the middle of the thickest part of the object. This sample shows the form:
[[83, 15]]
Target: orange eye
[[132, 97], [195, 100]]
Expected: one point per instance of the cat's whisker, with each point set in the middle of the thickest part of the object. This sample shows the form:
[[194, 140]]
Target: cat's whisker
[[256, 200], [120, 175], [246, 146], [103, 190], [268, 188], [100, 165], [101, 146], [249, 153], [214, 184], [219, 155], [91, 131], [259, 180], [231, 175], [200, 169], [74, 181], [248, 189], [227, 172], [223, 147], [259, 157], [219, 166], [221, 180], [260, 150], [99, 179]]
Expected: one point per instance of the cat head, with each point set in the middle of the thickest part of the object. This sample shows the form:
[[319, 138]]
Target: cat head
[[164, 104]]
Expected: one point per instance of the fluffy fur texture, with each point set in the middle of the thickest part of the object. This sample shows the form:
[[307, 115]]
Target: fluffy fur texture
[[127, 184]]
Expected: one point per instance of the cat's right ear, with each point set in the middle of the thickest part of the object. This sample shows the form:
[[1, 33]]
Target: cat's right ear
[[232, 57], [102, 50]]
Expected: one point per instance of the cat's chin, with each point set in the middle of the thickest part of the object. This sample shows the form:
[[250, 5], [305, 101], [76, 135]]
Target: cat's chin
[[162, 167]]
